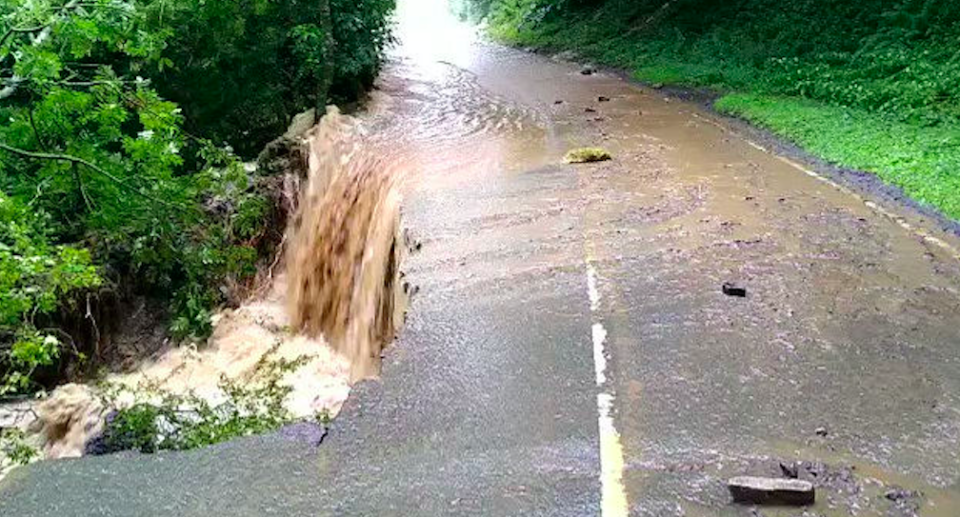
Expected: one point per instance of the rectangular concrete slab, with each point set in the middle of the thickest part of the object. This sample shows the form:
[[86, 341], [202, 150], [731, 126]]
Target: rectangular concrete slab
[[758, 490]]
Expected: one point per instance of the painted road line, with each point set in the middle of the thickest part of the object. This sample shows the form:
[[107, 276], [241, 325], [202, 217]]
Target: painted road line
[[902, 222], [599, 359], [613, 495]]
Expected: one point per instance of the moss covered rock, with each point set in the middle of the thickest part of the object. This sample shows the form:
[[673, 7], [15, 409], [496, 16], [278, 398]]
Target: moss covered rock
[[586, 155]]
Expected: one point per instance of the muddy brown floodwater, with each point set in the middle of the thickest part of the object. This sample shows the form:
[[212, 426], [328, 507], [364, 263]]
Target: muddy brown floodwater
[[843, 357], [344, 250], [841, 365], [332, 305]]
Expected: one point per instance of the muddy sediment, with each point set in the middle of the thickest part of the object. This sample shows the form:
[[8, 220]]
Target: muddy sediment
[[343, 256]]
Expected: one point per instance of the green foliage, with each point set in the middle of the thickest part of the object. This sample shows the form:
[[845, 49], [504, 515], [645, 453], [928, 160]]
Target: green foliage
[[36, 278], [14, 449], [884, 74], [113, 116], [241, 70], [189, 422], [135, 428]]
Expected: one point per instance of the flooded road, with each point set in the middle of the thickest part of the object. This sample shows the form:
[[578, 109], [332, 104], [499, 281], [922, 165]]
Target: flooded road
[[569, 349]]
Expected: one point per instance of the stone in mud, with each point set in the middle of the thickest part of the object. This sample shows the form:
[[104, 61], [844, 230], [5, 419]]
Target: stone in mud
[[603, 99], [589, 110], [908, 502], [302, 122], [588, 70], [99, 445], [731, 289], [279, 156], [789, 470], [897, 494], [757, 490], [558, 101]]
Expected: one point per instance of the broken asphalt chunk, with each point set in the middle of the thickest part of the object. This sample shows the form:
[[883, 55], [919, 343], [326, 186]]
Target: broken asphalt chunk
[[731, 289], [758, 490]]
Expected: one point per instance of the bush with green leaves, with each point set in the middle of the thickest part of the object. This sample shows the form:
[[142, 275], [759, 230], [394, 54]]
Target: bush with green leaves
[[15, 449], [165, 421], [119, 121], [36, 278]]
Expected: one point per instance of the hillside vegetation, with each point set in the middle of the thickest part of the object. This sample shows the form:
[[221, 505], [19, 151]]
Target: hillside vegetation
[[123, 126], [872, 84]]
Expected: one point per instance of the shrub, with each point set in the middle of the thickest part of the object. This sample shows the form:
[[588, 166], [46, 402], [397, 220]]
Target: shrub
[[36, 277], [164, 421]]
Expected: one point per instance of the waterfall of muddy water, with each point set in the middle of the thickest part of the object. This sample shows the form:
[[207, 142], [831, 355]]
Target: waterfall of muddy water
[[339, 287], [337, 301], [343, 255]]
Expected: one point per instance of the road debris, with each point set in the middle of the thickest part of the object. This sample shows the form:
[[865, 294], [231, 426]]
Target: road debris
[[790, 471], [899, 494], [731, 289], [758, 490]]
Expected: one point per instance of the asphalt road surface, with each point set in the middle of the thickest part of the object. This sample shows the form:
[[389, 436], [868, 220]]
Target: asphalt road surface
[[570, 350]]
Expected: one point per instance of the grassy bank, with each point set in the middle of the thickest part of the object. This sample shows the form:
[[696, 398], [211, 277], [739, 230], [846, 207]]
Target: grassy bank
[[872, 85]]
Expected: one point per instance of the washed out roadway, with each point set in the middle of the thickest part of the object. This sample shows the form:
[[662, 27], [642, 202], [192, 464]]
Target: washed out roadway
[[569, 348]]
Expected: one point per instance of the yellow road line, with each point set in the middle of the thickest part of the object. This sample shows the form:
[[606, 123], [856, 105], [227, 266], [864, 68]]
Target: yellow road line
[[901, 221], [613, 495]]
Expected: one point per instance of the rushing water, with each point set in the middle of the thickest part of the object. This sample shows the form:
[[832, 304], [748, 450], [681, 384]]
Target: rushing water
[[851, 318], [343, 255], [336, 299]]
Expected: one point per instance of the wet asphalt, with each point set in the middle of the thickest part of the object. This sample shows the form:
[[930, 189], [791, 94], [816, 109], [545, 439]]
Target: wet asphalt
[[840, 366]]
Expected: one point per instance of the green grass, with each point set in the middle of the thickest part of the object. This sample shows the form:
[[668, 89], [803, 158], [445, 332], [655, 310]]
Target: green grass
[[869, 85]]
